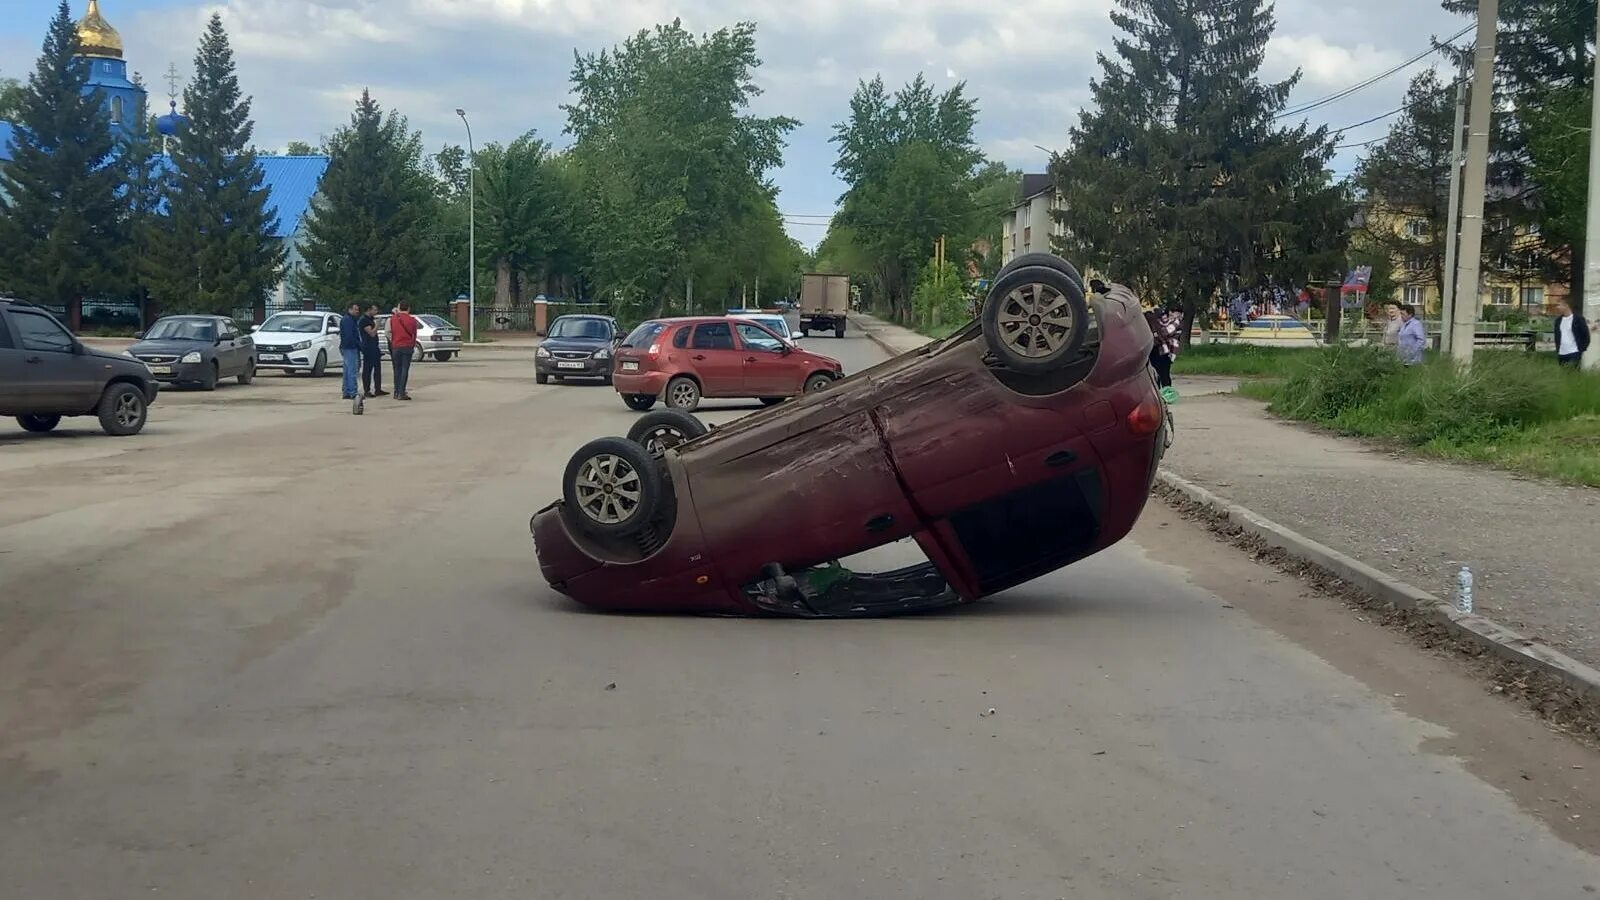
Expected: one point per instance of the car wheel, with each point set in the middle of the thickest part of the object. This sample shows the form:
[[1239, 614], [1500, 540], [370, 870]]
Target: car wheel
[[838, 332], [639, 402], [321, 365], [249, 373], [664, 430], [772, 401], [683, 393], [612, 486], [541, 378], [38, 424], [1048, 260], [208, 382], [445, 356], [122, 410], [1035, 319], [804, 331], [817, 382]]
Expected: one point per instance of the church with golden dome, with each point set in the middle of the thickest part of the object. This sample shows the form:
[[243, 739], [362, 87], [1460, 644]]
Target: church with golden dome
[[100, 47]]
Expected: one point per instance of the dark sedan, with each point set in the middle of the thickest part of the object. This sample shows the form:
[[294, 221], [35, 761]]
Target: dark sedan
[[1024, 442], [577, 347], [198, 350]]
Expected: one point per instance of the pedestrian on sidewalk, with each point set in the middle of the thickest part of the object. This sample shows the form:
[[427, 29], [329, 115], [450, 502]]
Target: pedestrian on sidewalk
[[1391, 328], [371, 355], [1412, 338], [402, 346], [350, 348], [1572, 335], [1165, 348]]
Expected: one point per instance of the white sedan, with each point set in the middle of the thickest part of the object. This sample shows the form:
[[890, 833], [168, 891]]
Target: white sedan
[[298, 342], [436, 337]]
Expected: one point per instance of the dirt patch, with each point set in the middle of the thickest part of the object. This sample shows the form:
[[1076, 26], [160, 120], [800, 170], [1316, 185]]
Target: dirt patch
[[1553, 700]]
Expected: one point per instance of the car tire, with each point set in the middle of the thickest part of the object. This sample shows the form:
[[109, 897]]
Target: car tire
[[805, 332], [817, 382], [209, 381], [772, 401], [1048, 260], [39, 424], [838, 331], [446, 356], [639, 402], [612, 487], [541, 378], [1035, 319], [606, 379], [664, 430], [122, 409], [321, 365], [249, 373], [682, 393]]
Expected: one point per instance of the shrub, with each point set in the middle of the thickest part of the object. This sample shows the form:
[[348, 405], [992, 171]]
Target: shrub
[[1337, 379]]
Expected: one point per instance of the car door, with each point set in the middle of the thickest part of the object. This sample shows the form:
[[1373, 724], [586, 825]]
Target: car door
[[14, 385], [229, 359], [768, 371], [717, 361], [61, 378], [330, 341]]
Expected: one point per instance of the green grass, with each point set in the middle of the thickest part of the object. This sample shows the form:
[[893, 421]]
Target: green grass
[[1242, 360], [1512, 410]]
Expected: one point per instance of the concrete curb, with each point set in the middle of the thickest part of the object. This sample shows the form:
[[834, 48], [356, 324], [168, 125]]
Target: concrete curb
[[1493, 637]]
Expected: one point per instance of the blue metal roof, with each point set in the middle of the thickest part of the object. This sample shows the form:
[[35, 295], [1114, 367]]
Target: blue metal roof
[[6, 129], [291, 182]]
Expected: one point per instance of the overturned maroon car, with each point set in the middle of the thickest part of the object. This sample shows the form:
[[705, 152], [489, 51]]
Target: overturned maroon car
[[1023, 443]]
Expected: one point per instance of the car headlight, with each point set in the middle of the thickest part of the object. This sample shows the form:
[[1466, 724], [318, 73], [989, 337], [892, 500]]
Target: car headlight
[[129, 354], [193, 356], [603, 353], [541, 352], [303, 345]]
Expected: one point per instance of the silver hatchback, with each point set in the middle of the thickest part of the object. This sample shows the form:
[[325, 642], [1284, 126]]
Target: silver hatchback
[[436, 337]]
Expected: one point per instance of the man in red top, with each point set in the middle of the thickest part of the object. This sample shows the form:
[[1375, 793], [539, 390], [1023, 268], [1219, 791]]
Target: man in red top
[[402, 346]]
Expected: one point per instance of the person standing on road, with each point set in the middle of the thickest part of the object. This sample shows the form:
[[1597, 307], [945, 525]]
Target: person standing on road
[[1572, 335], [1165, 348], [371, 354], [350, 347], [402, 346], [1412, 337]]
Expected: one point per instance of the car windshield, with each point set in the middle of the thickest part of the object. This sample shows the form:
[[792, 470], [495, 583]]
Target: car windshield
[[182, 330], [434, 321], [293, 324], [582, 329], [775, 324], [644, 334]]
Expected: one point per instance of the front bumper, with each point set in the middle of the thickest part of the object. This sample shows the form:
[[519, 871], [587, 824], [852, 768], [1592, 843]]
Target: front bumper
[[176, 372], [578, 368], [288, 360]]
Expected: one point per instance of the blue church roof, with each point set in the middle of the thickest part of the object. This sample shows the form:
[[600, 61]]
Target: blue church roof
[[6, 130]]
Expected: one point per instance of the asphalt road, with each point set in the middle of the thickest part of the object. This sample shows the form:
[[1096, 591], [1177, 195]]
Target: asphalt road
[[269, 649]]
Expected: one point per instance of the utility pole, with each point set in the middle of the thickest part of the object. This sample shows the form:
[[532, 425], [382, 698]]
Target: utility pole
[[1475, 184], [1591, 235], [1452, 228], [472, 232]]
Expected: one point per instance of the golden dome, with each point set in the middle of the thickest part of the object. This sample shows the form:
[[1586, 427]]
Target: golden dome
[[96, 37]]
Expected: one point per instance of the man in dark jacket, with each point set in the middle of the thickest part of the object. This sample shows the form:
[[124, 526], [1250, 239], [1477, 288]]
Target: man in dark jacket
[[1572, 335], [371, 354], [350, 348]]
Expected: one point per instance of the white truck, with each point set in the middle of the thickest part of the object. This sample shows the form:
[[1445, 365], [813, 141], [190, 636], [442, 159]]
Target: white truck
[[824, 302]]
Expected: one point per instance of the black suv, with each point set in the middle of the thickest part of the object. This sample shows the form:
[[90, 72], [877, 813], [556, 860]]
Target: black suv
[[46, 373]]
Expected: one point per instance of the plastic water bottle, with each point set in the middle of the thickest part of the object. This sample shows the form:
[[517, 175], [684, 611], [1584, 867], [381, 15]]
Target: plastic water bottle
[[1464, 590]]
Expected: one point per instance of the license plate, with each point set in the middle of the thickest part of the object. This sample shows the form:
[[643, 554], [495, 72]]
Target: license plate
[[161, 370], [272, 357], [630, 366], [569, 365]]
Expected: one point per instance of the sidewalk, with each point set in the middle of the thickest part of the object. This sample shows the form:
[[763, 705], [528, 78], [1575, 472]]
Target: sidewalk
[[1533, 546]]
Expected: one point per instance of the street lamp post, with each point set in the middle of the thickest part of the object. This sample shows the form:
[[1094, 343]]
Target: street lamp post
[[472, 232]]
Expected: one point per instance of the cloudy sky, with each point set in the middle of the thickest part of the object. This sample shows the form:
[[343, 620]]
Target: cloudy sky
[[1028, 62]]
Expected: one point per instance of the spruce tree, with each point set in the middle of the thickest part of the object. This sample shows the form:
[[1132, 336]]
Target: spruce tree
[[59, 210], [143, 174], [368, 235], [216, 252], [1179, 179]]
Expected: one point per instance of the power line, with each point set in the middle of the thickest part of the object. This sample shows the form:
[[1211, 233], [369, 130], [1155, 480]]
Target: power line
[[1339, 95]]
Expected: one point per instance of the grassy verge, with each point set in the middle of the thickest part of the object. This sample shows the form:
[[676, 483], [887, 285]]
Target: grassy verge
[[1242, 360], [1511, 410]]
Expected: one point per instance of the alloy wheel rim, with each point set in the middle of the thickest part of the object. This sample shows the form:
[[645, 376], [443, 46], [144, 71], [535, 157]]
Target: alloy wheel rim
[[609, 489], [683, 395], [1035, 320], [128, 410], [663, 438]]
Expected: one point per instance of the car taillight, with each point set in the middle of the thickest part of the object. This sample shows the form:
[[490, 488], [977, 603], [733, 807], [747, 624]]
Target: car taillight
[[1146, 417], [655, 350]]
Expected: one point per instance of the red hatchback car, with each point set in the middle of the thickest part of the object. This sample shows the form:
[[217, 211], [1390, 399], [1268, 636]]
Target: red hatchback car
[[1021, 444], [682, 360]]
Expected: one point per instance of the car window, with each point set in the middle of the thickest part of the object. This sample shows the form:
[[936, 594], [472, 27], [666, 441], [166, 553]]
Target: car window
[[681, 338], [644, 334], [435, 321], [713, 336], [582, 328], [229, 330], [182, 330], [292, 324], [758, 338], [36, 331]]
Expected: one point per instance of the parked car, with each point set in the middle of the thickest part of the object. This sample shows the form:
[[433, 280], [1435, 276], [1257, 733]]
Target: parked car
[[198, 350], [1023, 443], [46, 374], [773, 322], [299, 342], [577, 346], [436, 337], [684, 360]]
